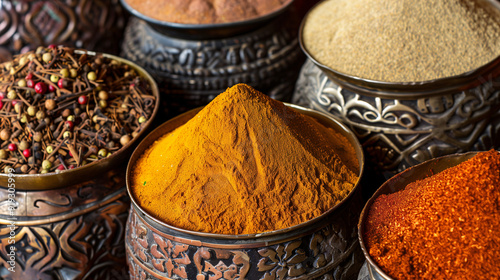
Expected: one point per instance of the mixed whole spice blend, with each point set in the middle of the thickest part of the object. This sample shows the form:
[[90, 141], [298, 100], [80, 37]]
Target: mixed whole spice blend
[[205, 11], [61, 108], [446, 226], [403, 41], [244, 164]]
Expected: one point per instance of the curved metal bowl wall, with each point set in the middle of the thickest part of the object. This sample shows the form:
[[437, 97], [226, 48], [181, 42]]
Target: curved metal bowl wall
[[323, 248], [75, 232], [190, 73], [399, 132], [328, 253]]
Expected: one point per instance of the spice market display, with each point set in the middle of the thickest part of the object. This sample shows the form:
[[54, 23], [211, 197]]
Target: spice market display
[[62, 109], [403, 41], [205, 11], [446, 226], [271, 168], [250, 187]]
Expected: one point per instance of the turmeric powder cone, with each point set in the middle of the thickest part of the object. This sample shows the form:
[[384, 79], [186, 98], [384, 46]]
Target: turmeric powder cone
[[244, 164]]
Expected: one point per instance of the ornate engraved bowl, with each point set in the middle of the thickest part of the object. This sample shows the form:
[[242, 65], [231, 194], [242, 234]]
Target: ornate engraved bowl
[[69, 225], [192, 70], [370, 270], [325, 247], [89, 24], [403, 124]]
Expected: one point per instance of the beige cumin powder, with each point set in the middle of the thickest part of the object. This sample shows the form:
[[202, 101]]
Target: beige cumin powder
[[403, 40]]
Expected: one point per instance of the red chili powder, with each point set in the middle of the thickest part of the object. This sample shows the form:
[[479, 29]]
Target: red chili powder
[[446, 226]]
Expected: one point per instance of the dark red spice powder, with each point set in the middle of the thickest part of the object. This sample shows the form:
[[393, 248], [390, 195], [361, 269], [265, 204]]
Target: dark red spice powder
[[446, 226]]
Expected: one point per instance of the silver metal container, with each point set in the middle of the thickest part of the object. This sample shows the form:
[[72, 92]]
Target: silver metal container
[[69, 225], [193, 63], [325, 247], [403, 124], [370, 270]]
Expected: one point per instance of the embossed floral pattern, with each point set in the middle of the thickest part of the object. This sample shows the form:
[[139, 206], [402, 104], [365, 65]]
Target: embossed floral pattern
[[91, 24], [399, 133], [283, 261], [169, 258]]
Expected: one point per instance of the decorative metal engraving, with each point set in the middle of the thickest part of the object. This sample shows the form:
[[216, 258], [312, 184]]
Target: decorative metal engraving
[[191, 73], [95, 25], [76, 232], [399, 133], [332, 252]]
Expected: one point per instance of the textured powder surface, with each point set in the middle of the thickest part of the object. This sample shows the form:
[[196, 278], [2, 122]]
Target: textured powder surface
[[403, 41], [444, 227], [244, 164], [205, 11]]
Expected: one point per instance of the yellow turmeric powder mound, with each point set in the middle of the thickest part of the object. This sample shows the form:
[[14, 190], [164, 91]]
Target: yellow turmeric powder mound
[[244, 164]]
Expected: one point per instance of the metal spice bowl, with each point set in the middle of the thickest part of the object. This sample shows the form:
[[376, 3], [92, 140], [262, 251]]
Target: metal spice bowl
[[325, 247], [403, 124], [194, 63], [69, 225], [90, 24], [208, 31], [371, 271]]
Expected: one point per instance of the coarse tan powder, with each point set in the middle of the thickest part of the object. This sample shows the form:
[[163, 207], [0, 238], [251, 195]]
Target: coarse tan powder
[[244, 164], [404, 40]]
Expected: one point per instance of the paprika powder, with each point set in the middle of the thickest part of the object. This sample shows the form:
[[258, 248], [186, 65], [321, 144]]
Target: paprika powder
[[205, 11], [446, 226], [244, 164]]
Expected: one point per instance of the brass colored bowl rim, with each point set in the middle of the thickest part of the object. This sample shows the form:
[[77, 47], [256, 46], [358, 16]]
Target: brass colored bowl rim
[[405, 90], [207, 26], [399, 182], [69, 177], [308, 225]]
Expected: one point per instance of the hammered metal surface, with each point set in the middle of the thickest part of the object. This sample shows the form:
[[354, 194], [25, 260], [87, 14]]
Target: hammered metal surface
[[399, 133], [90, 24], [71, 233], [190, 73]]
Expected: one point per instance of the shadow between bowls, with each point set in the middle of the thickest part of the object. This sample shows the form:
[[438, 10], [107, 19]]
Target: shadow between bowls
[[207, 31], [399, 182], [404, 90], [48, 181], [254, 240]]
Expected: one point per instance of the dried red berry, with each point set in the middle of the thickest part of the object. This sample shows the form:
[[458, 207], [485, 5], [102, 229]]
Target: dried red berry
[[27, 153], [29, 76], [60, 83], [52, 88], [30, 83], [69, 125], [40, 88], [12, 147], [83, 99]]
